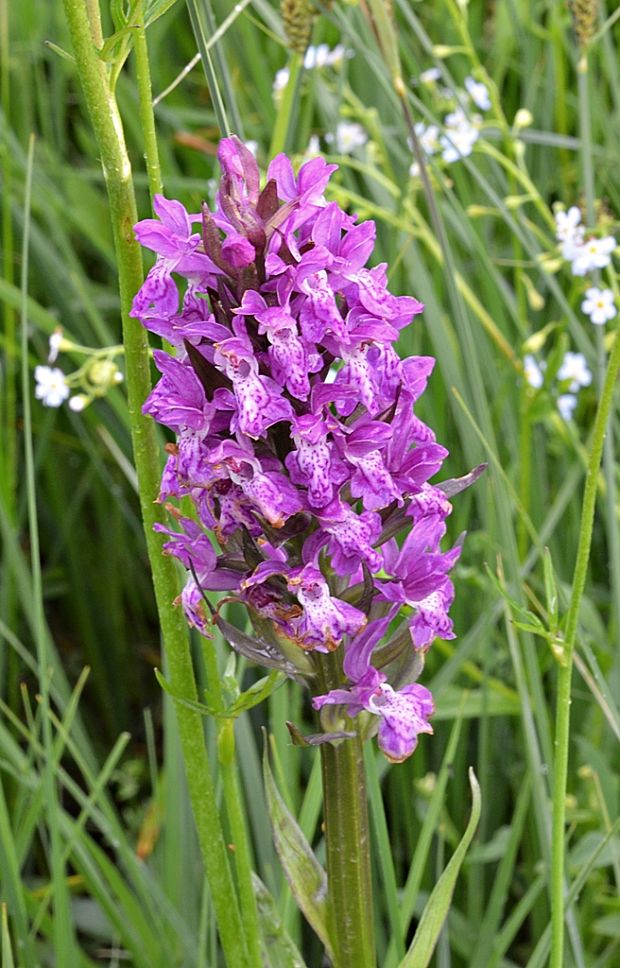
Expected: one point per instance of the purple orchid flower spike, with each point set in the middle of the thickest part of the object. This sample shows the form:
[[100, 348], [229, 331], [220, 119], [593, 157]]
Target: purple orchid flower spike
[[297, 440]]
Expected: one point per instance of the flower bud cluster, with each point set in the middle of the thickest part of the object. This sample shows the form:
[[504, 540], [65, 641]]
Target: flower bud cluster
[[94, 377], [296, 433]]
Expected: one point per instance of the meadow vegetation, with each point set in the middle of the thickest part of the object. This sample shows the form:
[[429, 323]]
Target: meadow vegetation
[[517, 120]]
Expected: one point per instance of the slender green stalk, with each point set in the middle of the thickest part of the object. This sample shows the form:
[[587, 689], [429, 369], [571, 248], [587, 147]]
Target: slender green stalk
[[145, 97], [8, 401], [233, 799], [203, 10], [281, 131], [609, 461], [196, 15], [107, 125], [347, 842], [562, 729], [8, 390], [525, 472], [64, 939], [600, 432]]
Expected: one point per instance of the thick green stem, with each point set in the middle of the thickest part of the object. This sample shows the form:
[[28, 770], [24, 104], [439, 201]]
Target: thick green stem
[[108, 129], [347, 841]]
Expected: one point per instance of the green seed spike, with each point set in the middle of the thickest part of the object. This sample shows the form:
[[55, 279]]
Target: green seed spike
[[585, 19], [298, 18]]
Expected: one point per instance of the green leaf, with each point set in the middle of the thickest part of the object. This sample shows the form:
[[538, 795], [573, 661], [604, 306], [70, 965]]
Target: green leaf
[[315, 739], [608, 925], [257, 692], [279, 951], [197, 707], [156, 9], [536, 628], [110, 50], [247, 700], [438, 904], [306, 877], [7, 952], [551, 591]]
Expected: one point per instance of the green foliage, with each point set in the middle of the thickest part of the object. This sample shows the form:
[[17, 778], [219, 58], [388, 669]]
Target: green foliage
[[306, 877], [93, 866], [438, 903]]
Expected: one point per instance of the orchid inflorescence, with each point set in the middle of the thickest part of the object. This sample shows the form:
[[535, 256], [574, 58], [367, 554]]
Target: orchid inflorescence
[[296, 438]]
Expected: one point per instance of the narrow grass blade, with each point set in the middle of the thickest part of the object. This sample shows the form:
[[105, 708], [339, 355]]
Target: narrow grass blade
[[438, 904], [306, 877], [7, 951], [279, 949]]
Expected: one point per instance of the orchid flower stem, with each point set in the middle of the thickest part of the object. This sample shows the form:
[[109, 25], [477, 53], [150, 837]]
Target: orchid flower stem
[[347, 842], [107, 126]]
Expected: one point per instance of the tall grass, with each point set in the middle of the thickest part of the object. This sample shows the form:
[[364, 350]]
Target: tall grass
[[98, 857]]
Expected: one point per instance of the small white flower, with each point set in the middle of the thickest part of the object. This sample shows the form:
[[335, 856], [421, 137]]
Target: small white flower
[[533, 371], [566, 223], [349, 136], [428, 136], [572, 245], [458, 142], [252, 146], [478, 93], [51, 388], [456, 119], [316, 56], [314, 147], [78, 403], [280, 80], [599, 305], [566, 405], [575, 369], [569, 232], [414, 170], [338, 55], [321, 56], [592, 254], [55, 345], [430, 75]]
